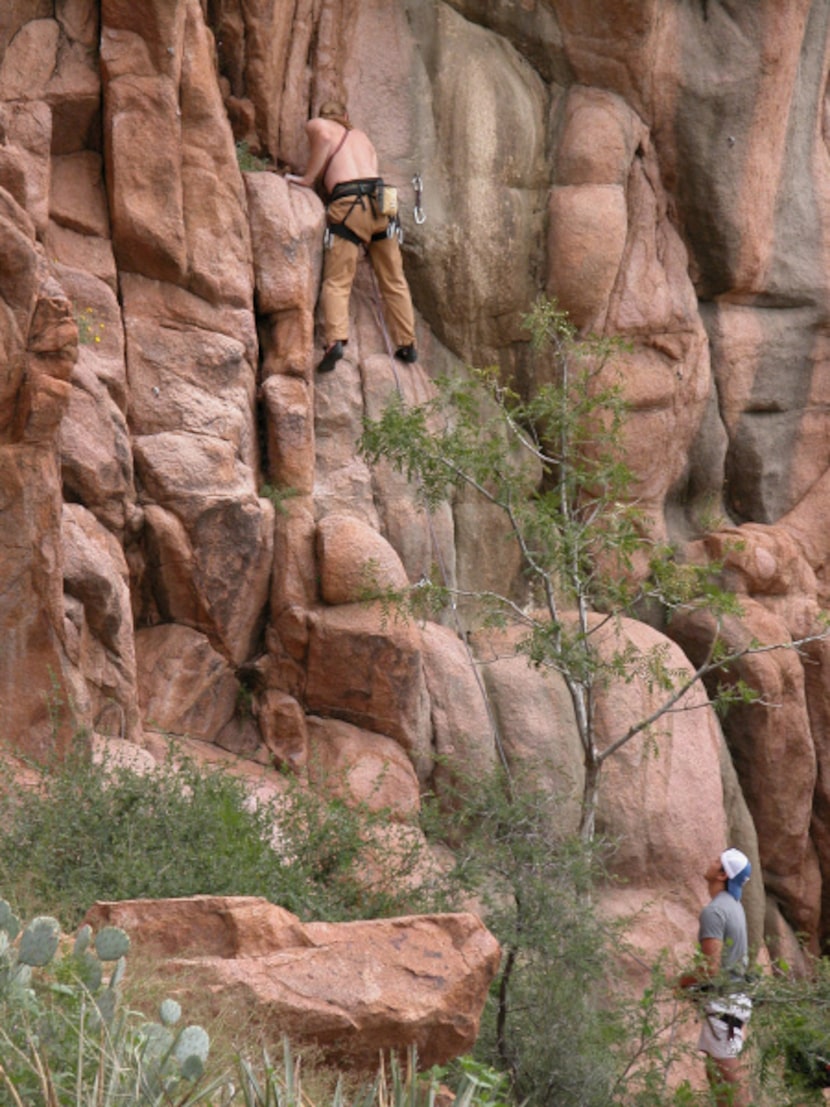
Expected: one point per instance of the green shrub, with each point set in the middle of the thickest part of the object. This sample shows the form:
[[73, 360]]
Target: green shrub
[[279, 495], [96, 831], [249, 162]]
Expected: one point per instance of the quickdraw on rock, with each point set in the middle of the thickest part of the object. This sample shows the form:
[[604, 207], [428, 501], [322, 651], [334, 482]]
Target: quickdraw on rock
[[418, 213]]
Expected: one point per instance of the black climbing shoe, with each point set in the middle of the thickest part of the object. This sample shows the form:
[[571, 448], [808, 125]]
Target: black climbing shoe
[[407, 353], [332, 355]]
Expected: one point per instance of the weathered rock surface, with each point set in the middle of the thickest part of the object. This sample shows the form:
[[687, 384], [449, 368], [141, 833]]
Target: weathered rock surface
[[354, 989], [186, 524], [39, 349]]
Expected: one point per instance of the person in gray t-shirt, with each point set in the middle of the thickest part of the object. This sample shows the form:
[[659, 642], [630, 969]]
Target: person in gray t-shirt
[[723, 943], [723, 918]]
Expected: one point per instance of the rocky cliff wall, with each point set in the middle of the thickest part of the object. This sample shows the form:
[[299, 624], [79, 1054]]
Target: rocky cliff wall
[[183, 516]]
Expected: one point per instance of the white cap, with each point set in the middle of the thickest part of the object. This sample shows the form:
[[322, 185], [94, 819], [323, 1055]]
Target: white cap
[[733, 862]]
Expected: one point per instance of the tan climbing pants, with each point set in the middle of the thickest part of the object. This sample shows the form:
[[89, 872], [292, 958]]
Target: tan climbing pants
[[340, 265]]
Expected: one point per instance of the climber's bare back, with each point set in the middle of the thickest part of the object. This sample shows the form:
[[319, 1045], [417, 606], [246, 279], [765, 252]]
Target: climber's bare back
[[356, 159]]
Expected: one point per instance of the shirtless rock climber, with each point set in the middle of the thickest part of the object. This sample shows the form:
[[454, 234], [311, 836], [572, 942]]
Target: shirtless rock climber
[[344, 160]]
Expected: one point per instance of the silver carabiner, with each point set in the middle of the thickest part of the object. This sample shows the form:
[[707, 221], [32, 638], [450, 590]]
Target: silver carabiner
[[418, 213], [394, 229]]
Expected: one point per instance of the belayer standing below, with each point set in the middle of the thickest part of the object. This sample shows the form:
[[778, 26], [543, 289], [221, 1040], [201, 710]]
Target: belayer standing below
[[722, 977], [346, 163]]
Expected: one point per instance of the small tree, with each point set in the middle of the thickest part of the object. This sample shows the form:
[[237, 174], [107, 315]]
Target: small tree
[[550, 1023], [553, 465]]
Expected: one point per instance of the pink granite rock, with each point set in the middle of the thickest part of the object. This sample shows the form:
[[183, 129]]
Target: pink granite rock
[[185, 686], [362, 767], [367, 669], [355, 561], [38, 347], [353, 989]]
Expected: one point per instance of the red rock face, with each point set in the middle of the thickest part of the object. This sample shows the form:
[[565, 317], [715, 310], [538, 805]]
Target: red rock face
[[184, 518]]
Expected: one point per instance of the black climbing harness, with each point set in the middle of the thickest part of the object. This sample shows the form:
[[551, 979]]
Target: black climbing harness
[[360, 190]]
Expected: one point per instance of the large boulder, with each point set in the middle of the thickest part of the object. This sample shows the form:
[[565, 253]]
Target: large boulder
[[362, 767], [465, 736], [354, 989], [355, 561], [534, 720], [367, 669], [185, 686]]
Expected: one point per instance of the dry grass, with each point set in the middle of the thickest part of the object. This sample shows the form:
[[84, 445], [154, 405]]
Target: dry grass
[[235, 1025]]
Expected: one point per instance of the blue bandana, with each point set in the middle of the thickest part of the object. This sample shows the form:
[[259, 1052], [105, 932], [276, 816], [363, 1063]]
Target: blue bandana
[[735, 885]]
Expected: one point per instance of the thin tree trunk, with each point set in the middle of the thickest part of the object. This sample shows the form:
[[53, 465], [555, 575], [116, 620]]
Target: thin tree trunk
[[590, 797], [501, 1018]]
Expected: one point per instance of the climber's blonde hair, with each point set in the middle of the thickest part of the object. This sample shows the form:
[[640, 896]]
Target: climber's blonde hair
[[336, 110]]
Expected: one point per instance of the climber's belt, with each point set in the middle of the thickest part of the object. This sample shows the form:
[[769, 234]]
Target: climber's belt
[[364, 187]]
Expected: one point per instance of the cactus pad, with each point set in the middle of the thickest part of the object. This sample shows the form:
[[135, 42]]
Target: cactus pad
[[82, 940], [9, 922], [118, 973], [39, 941], [191, 1051], [170, 1012], [111, 943], [90, 970]]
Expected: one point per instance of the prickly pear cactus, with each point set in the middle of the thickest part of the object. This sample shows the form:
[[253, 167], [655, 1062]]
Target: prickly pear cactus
[[35, 984], [169, 1012], [36, 946], [171, 1057], [82, 940], [111, 943], [191, 1051], [118, 973], [9, 922], [39, 942], [90, 970]]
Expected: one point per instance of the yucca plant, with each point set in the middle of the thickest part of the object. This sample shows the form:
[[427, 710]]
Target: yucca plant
[[392, 1086]]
